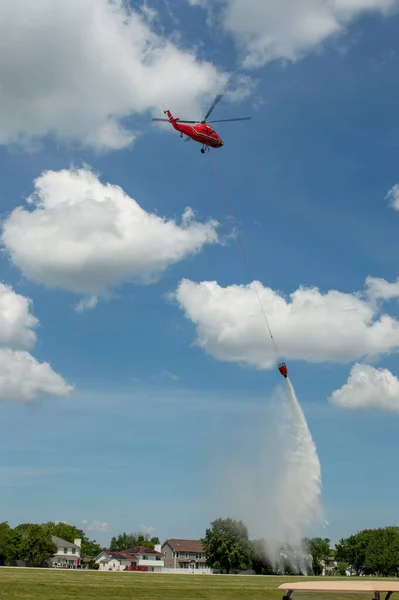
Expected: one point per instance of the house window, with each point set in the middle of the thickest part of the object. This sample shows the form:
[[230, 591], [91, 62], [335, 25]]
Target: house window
[[65, 550], [145, 557], [73, 550], [186, 554]]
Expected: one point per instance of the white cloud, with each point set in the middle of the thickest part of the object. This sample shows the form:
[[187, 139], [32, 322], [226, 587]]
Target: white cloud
[[76, 69], [84, 236], [170, 375], [16, 320], [283, 29], [368, 387], [393, 196], [147, 530], [86, 304], [98, 526], [22, 377], [309, 325], [380, 289]]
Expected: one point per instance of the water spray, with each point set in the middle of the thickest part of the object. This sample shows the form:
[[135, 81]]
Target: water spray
[[301, 507]]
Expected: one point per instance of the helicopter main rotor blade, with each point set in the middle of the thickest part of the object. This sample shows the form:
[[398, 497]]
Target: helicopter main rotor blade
[[216, 100], [225, 120]]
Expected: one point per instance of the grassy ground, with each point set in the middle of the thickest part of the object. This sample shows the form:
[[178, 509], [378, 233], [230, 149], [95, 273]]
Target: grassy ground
[[42, 584]]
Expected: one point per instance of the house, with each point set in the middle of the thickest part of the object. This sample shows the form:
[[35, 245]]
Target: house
[[329, 566], [139, 558], [67, 555], [184, 554]]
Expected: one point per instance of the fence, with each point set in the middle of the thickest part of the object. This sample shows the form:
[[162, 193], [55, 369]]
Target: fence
[[201, 571]]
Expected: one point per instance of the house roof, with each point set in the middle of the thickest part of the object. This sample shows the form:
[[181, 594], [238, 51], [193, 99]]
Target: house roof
[[59, 542], [123, 555], [143, 550], [131, 553], [185, 545]]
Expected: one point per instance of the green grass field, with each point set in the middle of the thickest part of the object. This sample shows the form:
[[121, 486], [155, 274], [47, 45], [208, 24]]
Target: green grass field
[[43, 584]]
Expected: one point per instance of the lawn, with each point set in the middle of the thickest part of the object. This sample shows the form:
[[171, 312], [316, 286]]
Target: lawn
[[43, 584]]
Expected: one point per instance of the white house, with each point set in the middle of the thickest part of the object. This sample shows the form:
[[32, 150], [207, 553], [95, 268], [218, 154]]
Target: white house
[[67, 555], [329, 566], [139, 558]]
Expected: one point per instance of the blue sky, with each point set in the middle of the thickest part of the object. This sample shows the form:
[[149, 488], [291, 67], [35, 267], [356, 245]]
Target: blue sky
[[151, 415]]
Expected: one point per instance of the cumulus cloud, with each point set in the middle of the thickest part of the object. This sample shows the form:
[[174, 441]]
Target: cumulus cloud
[[147, 530], [393, 196], [86, 304], [308, 325], [368, 387], [77, 69], [84, 236], [16, 320], [22, 377], [283, 29], [380, 289], [98, 526]]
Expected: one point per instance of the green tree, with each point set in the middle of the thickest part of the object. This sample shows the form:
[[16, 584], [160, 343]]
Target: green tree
[[35, 545], [4, 542], [14, 543], [129, 540], [382, 553], [342, 567], [227, 545], [91, 548], [121, 542], [320, 550], [353, 550]]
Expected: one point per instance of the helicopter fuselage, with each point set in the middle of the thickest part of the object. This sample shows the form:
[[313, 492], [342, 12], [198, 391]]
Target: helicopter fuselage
[[200, 132]]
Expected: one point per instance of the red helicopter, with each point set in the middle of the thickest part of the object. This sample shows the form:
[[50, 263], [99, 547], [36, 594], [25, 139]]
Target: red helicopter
[[200, 131]]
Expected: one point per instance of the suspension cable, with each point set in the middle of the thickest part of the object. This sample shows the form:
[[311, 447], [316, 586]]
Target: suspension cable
[[251, 277]]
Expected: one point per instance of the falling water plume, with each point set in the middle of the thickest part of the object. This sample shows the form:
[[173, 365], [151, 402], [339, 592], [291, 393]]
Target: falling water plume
[[298, 494], [273, 482]]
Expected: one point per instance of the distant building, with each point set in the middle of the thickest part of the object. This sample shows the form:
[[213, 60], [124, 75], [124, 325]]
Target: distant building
[[329, 566], [184, 554], [139, 558], [68, 554]]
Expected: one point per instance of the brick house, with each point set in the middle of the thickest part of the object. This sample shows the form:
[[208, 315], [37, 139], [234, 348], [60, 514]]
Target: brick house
[[184, 554]]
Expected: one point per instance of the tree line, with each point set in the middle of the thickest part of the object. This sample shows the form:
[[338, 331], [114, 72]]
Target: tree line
[[227, 546], [31, 543], [368, 552]]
